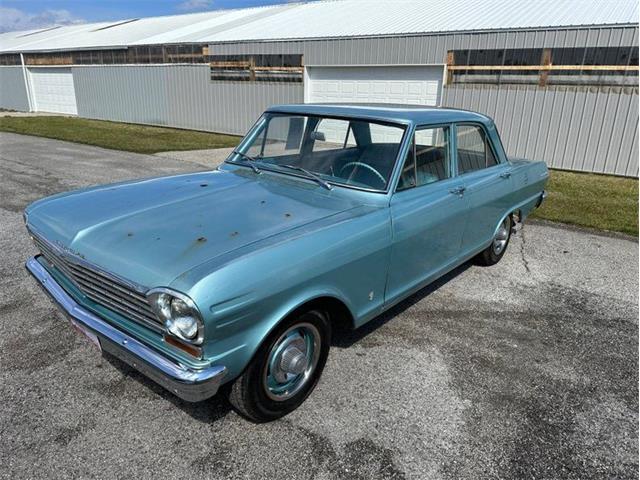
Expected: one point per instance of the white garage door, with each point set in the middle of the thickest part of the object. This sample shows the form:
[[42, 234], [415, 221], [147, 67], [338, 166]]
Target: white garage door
[[53, 90], [420, 85]]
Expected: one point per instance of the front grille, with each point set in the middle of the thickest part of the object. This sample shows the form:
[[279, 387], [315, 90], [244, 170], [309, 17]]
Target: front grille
[[99, 287]]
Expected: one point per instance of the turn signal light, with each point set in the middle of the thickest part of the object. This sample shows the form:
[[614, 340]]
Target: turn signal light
[[190, 349]]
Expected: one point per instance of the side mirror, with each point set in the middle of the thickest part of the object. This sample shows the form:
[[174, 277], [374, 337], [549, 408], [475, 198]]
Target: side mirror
[[318, 136]]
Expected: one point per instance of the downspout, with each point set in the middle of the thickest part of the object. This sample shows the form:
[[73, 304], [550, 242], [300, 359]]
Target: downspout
[[27, 85]]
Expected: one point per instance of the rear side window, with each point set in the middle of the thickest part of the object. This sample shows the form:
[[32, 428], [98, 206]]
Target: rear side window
[[474, 151], [428, 159]]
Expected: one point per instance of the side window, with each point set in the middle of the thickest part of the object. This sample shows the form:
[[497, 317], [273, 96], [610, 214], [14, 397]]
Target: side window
[[332, 134], [474, 152], [428, 160]]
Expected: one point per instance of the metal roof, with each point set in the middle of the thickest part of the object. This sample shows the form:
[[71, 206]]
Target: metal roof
[[327, 19]]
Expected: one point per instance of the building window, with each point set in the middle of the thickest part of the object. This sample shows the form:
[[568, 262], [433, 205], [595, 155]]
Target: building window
[[143, 54], [256, 68], [591, 66], [10, 59]]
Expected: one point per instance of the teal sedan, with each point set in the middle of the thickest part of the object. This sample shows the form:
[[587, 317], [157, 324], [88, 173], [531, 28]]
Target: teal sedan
[[324, 215]]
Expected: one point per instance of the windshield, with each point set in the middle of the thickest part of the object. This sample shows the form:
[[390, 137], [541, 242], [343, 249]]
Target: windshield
[[348, 152]]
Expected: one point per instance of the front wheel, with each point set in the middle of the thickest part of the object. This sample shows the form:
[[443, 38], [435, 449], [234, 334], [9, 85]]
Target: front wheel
[[285, 370], [494, 252]]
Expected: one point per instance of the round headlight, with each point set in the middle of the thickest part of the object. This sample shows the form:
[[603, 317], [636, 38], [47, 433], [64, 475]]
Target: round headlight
[[182, 322], [178, 313]]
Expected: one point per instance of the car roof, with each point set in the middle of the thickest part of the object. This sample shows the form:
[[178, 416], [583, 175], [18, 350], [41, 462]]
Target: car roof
[[417, 114]]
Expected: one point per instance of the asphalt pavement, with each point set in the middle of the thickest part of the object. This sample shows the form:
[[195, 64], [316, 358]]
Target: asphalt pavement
[[528, 369]]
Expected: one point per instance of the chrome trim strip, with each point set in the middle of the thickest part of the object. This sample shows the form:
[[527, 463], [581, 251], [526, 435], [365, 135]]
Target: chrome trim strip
[[190, 384]]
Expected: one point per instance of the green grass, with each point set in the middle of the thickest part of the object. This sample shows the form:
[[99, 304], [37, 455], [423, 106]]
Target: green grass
[[589, 200], [117, 136]]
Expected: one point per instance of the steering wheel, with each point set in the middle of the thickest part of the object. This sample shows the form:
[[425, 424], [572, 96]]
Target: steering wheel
[[367, 167]]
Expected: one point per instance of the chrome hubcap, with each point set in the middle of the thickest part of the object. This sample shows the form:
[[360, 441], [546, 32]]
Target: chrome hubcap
[[292, 361], [502, 236]]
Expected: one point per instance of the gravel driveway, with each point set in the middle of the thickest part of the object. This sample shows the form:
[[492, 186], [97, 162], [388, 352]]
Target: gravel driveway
[[528, 369]]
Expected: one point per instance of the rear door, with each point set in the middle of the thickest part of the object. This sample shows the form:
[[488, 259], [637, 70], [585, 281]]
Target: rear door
[[486, 182], [428, 214]]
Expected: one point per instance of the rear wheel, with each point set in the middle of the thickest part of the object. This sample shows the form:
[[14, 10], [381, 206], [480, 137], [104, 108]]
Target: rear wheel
[[494, 252], [285, 370]]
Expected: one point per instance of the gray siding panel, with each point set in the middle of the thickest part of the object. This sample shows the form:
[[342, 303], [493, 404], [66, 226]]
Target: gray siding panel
[[175, 95], [13, 94], [591, 130], [423, 49]]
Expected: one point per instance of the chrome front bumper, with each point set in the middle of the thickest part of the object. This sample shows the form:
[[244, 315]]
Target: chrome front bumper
[[187, 383]]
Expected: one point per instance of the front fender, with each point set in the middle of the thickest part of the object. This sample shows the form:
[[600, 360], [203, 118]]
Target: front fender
[[246, 297], [240, 338]]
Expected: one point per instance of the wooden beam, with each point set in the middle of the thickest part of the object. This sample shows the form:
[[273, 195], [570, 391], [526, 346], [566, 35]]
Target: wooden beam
[[535, 68], [450, 63], [230, 64], [546, 61], [279, 69]]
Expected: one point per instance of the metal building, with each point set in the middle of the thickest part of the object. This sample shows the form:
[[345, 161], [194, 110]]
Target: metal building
[[560, 77]]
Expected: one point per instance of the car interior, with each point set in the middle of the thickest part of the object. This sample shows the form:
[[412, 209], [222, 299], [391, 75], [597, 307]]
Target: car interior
[[353, 156], [474, 152]]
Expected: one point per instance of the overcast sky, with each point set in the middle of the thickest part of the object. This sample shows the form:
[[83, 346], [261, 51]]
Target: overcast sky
[[31, 14]]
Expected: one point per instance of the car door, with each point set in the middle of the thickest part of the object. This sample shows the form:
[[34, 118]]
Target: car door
[[428, 214], [486, 182]]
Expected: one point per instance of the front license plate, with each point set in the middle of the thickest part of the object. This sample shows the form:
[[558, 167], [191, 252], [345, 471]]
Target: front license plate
[[93, 338]]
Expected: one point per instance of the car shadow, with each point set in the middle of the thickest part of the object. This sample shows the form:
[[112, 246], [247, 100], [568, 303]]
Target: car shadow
[[217, 407], [206, 411], [344, 337]]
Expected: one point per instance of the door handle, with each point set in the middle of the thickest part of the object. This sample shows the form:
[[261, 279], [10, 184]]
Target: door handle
[[505, 175], [458, 190]]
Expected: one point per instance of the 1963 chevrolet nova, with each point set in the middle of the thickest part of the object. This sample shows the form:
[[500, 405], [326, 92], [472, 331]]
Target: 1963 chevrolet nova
[[323, 214]]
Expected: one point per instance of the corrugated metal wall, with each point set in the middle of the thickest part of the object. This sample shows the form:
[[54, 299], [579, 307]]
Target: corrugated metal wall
[[593, 130], [586, 129], [13, 95], [175, 95], [425, 49]]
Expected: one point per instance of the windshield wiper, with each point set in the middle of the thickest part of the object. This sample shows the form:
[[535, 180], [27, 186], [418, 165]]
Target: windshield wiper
[[249, 162], [311, 175]]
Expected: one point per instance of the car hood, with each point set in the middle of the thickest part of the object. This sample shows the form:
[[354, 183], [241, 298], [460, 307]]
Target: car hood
[[151, 231]]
